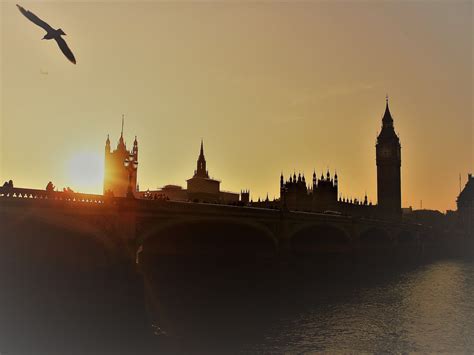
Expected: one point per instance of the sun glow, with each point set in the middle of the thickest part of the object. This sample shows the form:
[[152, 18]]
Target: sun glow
[[85, 172]]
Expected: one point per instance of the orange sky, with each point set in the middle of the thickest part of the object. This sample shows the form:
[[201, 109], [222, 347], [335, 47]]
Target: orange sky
[[270, 87]]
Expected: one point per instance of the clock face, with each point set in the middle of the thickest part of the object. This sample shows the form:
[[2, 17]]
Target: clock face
[[385, 153]]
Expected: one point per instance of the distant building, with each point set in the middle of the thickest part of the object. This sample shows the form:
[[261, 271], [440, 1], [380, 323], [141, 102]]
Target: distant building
[[200, 188], [465, 202], [322, 195], [245, 197], [407, 211], [229, 198], [295, 194], [168, 192], [174, 192], [431, 218], [388, 157], [116, 176], [266, 203]]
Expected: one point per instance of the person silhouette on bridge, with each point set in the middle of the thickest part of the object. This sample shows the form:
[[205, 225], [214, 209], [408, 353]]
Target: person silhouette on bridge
[[8, 184], [50, 187]]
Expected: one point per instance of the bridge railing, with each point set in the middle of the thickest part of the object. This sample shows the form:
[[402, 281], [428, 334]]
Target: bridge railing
[[21, 193]]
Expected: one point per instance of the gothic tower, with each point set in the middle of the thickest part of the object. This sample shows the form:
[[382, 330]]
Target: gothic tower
[[201, 165], [388, 157], [200, 187], [116, 176]]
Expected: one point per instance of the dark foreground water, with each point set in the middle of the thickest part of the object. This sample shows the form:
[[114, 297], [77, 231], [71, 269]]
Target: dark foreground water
[[300, 308], [427, 309], [424, 308]]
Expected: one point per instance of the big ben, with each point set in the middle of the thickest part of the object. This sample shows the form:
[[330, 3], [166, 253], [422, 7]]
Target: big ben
[[388, 157]]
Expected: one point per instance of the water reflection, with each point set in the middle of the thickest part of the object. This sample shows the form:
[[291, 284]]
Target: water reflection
[[441, 297], [213, 306], [304, 308]]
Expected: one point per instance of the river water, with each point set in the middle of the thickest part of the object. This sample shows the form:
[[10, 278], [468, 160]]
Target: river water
[[63, 292], [428, 309], [422, 308]]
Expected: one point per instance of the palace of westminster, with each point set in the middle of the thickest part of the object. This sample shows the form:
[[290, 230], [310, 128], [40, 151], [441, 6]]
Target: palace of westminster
[[320, 195]]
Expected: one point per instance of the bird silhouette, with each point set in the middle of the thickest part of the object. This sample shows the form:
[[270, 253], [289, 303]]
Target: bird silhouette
[[51, 33]]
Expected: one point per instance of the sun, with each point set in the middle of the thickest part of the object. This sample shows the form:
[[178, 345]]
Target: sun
[[85, 172]]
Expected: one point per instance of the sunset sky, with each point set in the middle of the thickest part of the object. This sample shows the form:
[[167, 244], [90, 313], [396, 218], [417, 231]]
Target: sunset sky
[[268, 86]]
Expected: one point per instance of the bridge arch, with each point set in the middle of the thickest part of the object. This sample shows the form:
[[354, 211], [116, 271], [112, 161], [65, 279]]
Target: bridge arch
[[408, 245], [375, 236], [375, 245], [208, 236], [320, 239], [51, 238], [406, 237]]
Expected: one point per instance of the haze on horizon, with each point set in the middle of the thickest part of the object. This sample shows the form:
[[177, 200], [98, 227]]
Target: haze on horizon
[[270, 87]]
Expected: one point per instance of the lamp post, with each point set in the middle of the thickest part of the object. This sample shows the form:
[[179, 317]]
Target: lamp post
[[131, 165]]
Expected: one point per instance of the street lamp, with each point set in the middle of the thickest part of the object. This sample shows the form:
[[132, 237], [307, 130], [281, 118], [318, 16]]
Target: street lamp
[[131, 165]]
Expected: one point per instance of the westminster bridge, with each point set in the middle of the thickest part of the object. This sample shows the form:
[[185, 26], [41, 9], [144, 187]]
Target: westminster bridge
[[135, 228], [113, 266]]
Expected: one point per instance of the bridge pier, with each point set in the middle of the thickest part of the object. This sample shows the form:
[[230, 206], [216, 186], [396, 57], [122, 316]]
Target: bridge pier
[[284, 250], [354, 235], [126, 227]]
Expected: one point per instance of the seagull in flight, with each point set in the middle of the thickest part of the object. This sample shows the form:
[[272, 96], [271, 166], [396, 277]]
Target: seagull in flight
[[51, 33]]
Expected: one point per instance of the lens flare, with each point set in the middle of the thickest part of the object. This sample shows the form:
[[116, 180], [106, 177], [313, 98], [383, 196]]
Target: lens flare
[[85, 172]]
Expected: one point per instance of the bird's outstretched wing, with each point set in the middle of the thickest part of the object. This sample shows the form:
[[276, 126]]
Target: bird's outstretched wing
[[35, 19], [65, 49]]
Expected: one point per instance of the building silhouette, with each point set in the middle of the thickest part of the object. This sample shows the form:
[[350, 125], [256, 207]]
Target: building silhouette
[[465, 203], [117, 177], [322, 195], [200, 188], [388, 158], [245, 197]]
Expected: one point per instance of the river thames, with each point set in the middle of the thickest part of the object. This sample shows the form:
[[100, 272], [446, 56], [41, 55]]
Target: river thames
[[304, 308], [428, 309], [425, 308]]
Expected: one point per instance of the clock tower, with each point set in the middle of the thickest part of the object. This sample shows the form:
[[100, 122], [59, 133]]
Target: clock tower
[[388, 157]]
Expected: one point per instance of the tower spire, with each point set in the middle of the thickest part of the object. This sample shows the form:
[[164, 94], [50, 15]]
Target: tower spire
[[387, 119], [121, 143], [201, 164], [388, 159], [107, 144]]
